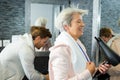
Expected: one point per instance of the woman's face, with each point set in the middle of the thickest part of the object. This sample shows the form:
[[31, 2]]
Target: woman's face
[[106, 39], [40, 42], [75, 29]]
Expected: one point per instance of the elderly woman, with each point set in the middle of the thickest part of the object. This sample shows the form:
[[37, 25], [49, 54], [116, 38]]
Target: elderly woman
[[41, 21], [68, 57]]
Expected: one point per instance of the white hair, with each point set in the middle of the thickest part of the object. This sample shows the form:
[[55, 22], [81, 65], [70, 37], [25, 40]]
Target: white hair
[[41, 22], [65, 17]]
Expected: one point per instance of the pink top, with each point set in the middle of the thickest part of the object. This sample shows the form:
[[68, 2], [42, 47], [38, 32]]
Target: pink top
[[66, 61]]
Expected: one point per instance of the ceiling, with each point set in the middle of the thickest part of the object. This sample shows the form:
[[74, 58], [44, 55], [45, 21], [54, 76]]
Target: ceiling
[[57, 2]]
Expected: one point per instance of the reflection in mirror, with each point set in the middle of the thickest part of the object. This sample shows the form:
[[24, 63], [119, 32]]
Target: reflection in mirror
[[48, 11]]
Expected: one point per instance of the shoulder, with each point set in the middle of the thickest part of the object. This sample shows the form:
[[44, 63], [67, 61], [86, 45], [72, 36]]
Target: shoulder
[[116, 42], [59, 47], [115, 39], [26, 51], [60, 50]]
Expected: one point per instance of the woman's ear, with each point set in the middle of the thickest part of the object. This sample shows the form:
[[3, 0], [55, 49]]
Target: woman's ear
[[66, 27]]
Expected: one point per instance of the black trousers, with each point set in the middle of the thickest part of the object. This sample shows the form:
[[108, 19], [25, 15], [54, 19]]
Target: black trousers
[[104, 77]]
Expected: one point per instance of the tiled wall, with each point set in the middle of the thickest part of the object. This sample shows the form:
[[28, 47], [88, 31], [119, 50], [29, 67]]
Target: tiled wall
[[15, 17], [12, 18], [110, 14]]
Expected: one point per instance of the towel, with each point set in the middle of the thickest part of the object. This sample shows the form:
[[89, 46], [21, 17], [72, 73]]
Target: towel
[[78, 58]]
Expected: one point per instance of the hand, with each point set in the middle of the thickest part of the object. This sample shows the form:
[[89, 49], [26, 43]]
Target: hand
[[103, 68], [47, 77], [91, 67]]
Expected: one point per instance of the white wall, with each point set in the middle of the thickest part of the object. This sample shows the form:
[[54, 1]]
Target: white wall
[[42, 10]]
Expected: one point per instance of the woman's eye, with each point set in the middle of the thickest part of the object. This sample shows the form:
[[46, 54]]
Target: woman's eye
[[79, 21]]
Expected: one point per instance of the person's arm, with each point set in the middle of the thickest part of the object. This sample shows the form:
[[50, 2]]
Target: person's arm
[[115, 70], [60, 63], [27, 58]]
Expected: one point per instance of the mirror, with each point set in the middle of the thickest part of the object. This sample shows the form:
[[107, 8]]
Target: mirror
[[46, 9]]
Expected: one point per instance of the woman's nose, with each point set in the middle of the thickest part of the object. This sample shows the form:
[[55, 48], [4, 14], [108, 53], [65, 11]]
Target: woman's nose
[[82, 24]]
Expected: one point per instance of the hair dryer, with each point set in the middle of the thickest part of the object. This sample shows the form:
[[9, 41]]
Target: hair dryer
[[111, 56]]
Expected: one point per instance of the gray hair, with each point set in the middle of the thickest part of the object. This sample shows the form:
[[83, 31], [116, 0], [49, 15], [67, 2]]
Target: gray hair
[[41, 21], [65, 17]]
